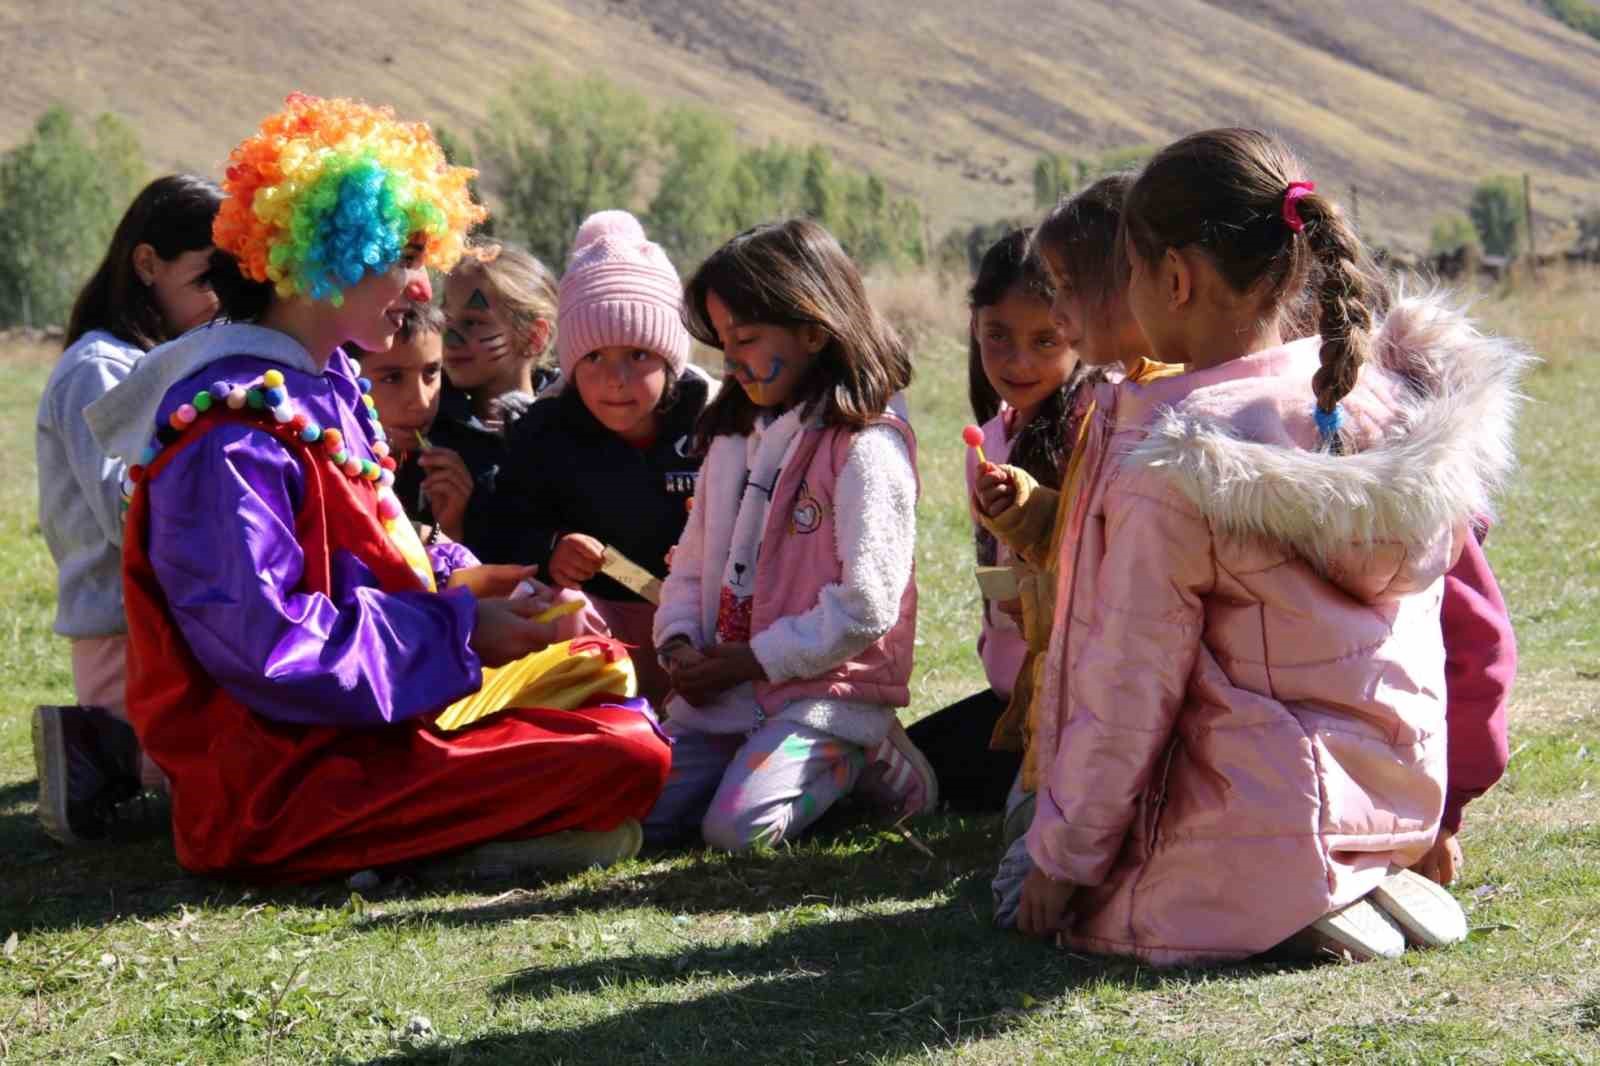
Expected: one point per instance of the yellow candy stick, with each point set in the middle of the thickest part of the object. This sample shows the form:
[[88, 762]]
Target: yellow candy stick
[[560, 610]]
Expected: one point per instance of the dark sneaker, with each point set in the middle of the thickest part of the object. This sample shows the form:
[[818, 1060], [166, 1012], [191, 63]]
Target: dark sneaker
[[88, 767]]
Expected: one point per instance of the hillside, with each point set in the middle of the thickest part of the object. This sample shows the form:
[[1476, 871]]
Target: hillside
[[1410, 101]]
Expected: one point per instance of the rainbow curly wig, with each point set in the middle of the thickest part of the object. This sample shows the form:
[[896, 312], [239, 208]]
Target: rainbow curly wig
[[330, 190]]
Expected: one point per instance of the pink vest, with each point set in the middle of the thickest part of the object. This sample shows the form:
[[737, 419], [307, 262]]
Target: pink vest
[[798, 561]]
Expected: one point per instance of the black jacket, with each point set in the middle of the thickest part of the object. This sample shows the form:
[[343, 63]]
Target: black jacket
[[566, 473], [454, 427]]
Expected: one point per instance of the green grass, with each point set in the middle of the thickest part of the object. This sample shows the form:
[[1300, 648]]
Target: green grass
[[857, 945]]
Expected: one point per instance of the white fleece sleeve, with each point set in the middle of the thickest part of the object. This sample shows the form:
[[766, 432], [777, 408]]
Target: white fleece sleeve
[[875, 536], [98, 475]]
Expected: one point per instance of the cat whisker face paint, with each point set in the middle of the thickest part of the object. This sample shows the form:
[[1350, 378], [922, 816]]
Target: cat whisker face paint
[[477, 344]]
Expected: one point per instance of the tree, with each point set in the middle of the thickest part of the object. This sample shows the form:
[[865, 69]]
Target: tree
[[1496, 210], [562, 150], [1056, 177], [696, 203], [62, 192], [1451, 233]]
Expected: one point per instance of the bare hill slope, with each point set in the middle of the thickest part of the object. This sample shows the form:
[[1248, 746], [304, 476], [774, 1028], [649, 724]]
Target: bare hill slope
[[1411, 100]]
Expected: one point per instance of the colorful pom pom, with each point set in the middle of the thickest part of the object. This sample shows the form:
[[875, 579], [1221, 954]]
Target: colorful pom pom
[[272, 379], [370, 470], [333, 439], [381, 450], [299, 422], [275, 394], [202, 402], [237, 398], [386, 479], [337, 458], [282, 414], [364, 384], [352, 466], [220, 391], [136, 473], [255, 399], [389, 507], [311, 434], [387, 460], [147, 456], [330, 190]]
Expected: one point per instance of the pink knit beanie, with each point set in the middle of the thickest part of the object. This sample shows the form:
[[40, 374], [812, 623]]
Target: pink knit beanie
[[619, 290]]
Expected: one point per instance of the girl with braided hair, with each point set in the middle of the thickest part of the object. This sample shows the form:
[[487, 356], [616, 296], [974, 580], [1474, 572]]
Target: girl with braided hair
[[1241, 732]]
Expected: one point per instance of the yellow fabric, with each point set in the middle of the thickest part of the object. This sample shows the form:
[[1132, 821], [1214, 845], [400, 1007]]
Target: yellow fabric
[[556, 677], [1020, 526], [404, 537]]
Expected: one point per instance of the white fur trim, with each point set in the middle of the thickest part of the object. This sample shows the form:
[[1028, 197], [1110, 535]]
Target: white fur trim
[[1446, 453]]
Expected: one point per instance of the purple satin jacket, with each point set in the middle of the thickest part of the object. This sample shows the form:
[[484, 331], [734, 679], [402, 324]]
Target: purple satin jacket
[[222, 544]]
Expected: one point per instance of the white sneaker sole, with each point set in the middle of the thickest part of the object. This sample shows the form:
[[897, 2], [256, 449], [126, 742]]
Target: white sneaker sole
[[1426, 912], [559, 853], [1362, 931], [919, 762]]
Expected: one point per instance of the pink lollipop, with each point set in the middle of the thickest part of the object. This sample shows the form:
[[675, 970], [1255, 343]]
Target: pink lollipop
[[974, 438]]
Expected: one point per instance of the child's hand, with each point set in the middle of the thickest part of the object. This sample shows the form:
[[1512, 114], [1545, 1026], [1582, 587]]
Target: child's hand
[[491, 581], [723, 667], [449, 487], [1044, 904], [577, 558], [996, 489], [1443, 861], [505, 631]]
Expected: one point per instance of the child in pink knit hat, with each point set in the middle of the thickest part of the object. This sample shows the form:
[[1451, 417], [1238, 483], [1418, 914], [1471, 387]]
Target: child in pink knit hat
[[607, 461]]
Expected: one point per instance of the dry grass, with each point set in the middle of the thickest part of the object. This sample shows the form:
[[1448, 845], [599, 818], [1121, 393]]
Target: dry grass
[[1413, 101]]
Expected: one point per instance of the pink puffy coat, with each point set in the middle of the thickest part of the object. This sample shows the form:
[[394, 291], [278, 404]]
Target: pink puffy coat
[[1242, 706]]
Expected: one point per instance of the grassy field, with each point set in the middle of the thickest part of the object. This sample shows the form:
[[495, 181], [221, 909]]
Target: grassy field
[[1413, 101], [859, 945]]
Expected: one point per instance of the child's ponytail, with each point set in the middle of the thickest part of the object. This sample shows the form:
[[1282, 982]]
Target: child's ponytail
[[1348, 299]]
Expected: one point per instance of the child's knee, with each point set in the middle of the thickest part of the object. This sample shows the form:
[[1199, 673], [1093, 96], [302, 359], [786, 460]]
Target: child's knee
[[740, 830]]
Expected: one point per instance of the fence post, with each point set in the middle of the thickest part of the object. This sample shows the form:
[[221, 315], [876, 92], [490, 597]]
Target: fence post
[[1527, 221]]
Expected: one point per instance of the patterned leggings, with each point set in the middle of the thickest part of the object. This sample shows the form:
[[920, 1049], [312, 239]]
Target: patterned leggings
[[740, 791]]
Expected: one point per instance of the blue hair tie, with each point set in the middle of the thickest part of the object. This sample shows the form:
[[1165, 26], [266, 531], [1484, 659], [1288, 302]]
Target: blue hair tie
[[1329, 422]]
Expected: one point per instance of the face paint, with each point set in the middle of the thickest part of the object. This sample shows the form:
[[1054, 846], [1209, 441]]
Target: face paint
[[753, 383], [477, 301], [494, 345], [453, 338]]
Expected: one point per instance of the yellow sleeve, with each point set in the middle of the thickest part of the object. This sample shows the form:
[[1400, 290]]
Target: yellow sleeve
[[1026, 525]]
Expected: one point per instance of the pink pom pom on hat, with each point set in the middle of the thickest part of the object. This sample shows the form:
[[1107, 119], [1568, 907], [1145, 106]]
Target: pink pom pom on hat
[[620, 290]]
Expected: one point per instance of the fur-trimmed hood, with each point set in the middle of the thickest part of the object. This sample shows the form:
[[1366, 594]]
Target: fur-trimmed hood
[[1428, 438]]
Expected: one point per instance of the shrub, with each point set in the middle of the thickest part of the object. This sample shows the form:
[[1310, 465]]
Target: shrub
[[62, 192]]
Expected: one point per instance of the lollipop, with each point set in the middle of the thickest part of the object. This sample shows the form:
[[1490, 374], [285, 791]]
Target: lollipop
[[974, 438]]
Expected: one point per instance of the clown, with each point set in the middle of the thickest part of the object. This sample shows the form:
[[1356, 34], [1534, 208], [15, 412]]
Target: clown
[[325, 693]]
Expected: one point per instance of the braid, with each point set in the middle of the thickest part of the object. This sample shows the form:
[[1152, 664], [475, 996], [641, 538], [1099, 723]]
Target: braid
[[1347, 295]]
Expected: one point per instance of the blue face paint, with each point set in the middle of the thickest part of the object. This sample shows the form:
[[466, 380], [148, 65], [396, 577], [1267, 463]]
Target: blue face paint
[[453, 338], [477, 301], [747, 375]]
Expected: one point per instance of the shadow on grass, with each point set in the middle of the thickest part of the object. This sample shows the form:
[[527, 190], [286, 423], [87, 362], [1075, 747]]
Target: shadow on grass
[[828, 990], [839, 865]]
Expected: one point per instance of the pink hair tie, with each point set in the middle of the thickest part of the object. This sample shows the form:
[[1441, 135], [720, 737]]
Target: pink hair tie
[[1291, 212]]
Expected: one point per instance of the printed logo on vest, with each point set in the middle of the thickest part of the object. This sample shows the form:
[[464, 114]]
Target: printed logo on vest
[[808, 512], [682, 447], [681, 482]]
